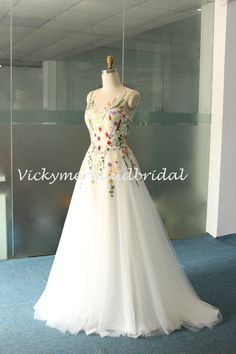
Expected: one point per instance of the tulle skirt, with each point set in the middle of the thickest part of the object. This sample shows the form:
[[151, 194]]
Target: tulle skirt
[[115, 271]]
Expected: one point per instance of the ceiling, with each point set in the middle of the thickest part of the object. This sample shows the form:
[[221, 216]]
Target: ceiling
[[54, 29]]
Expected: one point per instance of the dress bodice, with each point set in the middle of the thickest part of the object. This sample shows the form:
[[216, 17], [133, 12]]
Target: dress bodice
[[109, 127], [109, 154]]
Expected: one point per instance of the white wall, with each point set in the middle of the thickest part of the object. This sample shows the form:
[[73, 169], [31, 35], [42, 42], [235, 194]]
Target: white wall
[[221, 208]]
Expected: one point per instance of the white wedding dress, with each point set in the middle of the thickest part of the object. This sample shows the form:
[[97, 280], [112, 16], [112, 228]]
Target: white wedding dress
[[115, 271]]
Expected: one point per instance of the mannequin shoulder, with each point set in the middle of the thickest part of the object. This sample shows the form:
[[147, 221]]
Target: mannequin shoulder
[[134, 99]]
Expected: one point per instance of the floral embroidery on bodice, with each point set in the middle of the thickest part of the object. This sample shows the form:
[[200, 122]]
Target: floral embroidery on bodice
[[109, 126], [108, 129]]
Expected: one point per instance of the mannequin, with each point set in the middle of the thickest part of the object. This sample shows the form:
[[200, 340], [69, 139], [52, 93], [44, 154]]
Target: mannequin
[[112, 87]]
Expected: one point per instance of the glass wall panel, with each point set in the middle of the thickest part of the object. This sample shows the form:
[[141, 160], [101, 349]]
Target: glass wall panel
[[57, 60], [6, 221], [165, 58]]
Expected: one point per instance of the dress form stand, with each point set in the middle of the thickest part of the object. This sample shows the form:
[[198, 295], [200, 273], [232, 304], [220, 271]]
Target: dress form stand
[[112, 86]]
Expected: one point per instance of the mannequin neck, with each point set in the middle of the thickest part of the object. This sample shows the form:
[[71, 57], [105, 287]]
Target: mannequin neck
[[110, 81]]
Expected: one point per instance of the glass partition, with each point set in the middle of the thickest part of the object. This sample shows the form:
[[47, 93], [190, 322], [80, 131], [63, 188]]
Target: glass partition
[[59, 47], [55, 64], [6, 220], [166, 62]]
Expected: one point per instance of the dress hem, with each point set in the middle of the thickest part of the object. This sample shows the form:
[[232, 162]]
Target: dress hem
[[141, 333]]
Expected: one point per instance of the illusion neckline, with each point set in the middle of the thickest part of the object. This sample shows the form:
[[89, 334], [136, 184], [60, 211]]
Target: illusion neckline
[[109, 103]]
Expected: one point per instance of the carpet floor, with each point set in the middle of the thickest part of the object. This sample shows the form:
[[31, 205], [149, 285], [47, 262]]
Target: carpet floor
[[209, 263]]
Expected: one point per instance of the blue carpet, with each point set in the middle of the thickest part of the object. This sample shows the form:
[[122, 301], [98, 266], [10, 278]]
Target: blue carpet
[[209, 263]]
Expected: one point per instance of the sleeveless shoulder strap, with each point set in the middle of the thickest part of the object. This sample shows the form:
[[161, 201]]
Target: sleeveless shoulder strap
[[90, 95]]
